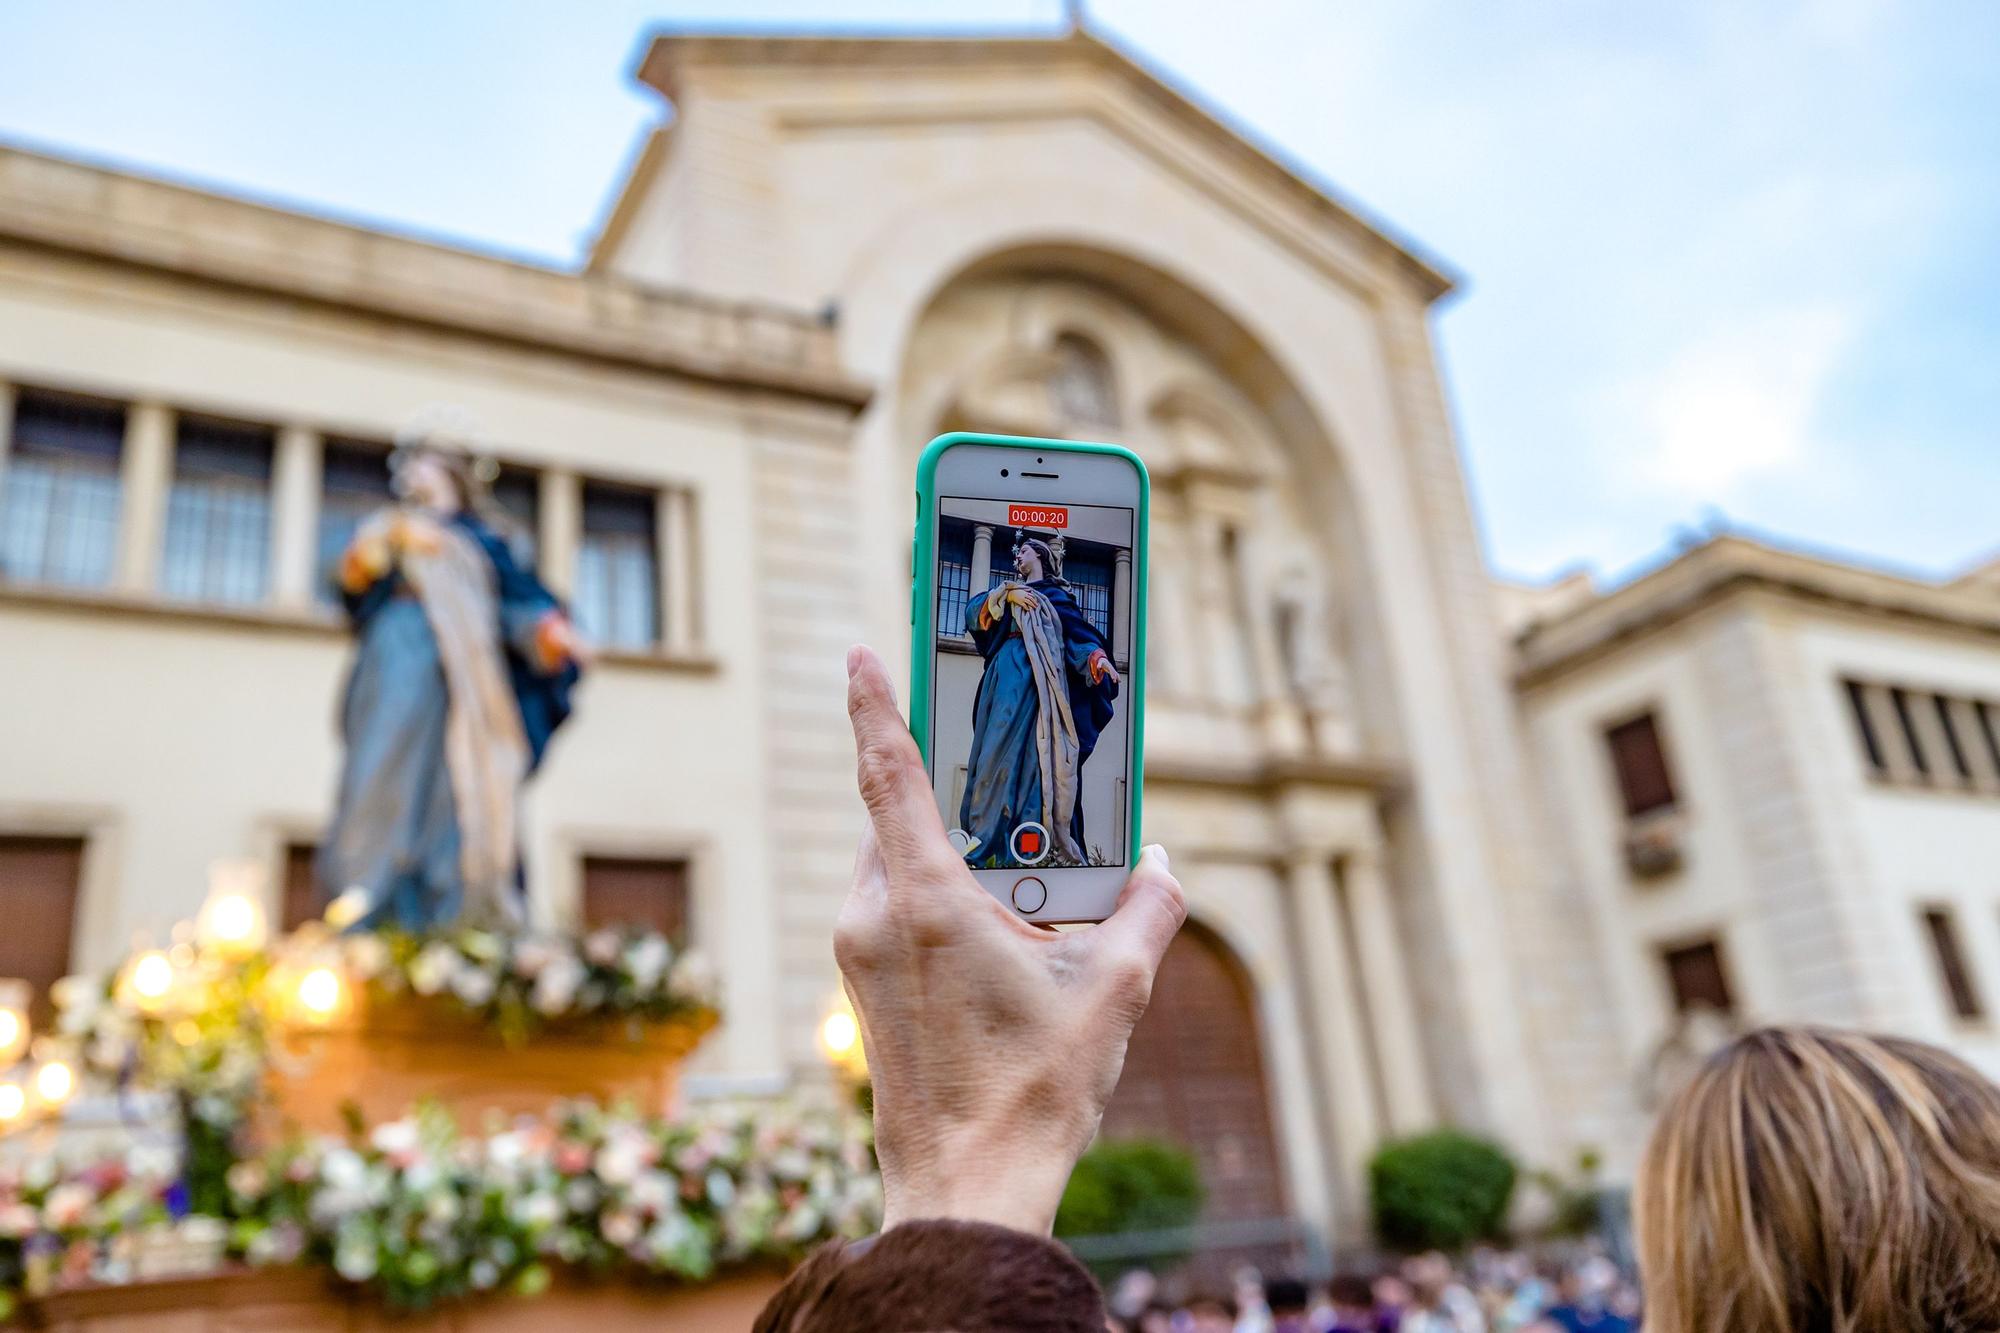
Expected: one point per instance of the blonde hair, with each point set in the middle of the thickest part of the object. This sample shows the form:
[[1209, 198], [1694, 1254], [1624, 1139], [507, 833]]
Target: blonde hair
[[1813, 1181]]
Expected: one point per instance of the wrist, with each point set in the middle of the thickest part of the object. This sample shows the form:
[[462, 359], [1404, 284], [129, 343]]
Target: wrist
[[1016, 1203]]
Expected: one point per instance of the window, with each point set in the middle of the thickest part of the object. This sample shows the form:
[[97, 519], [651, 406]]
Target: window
[[1696, 977], [517, 494], [59, 499], [1088, 569], [1989, 729], [617, 600], [353, 483], [1957, 978], [38, 887], [1952, 744], [1899, 698], [1640, 763], [635, 891], [219, 513], [954, 576], [300, 902], [1081, 388], [1864, 725]]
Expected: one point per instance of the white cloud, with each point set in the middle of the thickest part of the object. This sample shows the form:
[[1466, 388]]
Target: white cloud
[[1737, 405]]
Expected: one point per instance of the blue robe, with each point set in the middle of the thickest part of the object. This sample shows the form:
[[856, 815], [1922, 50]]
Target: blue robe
[[1003, 777], [395, 830]]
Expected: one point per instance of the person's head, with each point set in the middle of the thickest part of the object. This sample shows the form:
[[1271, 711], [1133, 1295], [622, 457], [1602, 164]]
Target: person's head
[[1807, 1179], [1286, 1296], [1206, 1314], [1035, 558], [1156, 1319], [1351, 1294]]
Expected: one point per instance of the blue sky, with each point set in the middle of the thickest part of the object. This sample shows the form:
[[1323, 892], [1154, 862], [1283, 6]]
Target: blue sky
[[1724, 260]]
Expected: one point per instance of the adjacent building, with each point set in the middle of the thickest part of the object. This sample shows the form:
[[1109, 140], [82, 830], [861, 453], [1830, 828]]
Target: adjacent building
[[1778, 777]]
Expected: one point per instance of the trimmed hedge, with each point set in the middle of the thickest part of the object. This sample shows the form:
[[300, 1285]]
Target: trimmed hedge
[[1440, 1191], [1130, 1185]]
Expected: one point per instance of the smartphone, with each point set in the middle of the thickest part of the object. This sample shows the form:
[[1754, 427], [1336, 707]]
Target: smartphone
[[1028, 654]]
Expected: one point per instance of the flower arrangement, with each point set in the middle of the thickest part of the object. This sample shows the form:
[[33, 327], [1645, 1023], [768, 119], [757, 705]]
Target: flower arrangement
[[65, 1220], [422, 1214]]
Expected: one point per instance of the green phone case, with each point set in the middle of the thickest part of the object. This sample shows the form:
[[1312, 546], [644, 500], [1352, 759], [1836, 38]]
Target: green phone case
[[923, 602]]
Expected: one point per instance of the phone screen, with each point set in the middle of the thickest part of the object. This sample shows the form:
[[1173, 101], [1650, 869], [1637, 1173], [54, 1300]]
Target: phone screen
[[1030, 739]]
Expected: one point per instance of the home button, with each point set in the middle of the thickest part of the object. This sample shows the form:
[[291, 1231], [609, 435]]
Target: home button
[[1029, 894]]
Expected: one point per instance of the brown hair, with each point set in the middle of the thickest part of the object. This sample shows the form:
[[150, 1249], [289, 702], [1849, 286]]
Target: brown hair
[[1814, 1181]]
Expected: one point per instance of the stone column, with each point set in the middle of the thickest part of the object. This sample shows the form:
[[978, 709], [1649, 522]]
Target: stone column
[[980, 577], [1385, 981], [1334, 1021], [1985, 772], [1121, 608], [680, 605], [561, 506], [295, 501], [146, 471]]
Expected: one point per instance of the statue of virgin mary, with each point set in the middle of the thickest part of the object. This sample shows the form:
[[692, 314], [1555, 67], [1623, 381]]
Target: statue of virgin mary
[[463, 669], [1044, 697]]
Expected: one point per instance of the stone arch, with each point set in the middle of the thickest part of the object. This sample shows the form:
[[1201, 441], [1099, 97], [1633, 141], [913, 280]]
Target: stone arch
[[1196, 367]]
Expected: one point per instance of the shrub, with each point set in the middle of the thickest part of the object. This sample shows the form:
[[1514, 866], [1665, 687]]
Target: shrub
[[1130, 1185], [1440, 1191]]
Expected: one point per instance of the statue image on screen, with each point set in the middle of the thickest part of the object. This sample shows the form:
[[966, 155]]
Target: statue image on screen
[[463, 669], [1045, 695]]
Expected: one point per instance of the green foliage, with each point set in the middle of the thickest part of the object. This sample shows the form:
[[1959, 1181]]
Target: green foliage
[[1130, 1185], [1441, 1190]]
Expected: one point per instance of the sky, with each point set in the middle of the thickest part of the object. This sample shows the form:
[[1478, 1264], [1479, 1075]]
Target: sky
[[1726, 262]]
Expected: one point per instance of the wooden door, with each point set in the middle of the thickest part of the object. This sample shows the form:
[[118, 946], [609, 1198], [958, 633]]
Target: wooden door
[[38, 887], [636, 891], [1194, 1075]]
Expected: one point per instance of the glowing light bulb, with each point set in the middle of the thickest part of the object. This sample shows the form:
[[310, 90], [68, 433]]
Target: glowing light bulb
[[319, 992], [54, 1082], [13, 1033], [152, 976], [13, 1102], [839, 1033]]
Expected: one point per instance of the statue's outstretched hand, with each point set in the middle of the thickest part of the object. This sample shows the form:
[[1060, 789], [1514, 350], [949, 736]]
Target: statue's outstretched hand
[[993, 1044]]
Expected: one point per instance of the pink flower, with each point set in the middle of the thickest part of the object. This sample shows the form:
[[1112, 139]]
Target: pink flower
[[619, 1227], [572, 1158]]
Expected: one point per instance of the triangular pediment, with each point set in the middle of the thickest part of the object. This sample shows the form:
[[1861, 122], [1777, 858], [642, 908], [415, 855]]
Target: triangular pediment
[[776, 84]]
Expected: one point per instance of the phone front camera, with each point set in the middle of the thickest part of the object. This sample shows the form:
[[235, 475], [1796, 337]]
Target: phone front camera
[[1003, 471]]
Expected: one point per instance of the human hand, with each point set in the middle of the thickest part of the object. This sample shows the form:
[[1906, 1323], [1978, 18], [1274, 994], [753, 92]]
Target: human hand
[[1101, 669], [993, 1044]]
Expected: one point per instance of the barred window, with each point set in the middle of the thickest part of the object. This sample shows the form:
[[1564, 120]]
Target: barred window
[[218, 545], [617, 599], [954, 577], [1087, 566], [59, 499], [353, 483]]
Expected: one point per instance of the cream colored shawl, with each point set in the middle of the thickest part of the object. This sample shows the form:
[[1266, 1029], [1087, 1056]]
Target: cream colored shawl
[[485, 749], [1056, 747]]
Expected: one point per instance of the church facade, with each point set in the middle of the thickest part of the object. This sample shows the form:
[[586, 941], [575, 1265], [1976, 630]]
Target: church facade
[[832, 250]]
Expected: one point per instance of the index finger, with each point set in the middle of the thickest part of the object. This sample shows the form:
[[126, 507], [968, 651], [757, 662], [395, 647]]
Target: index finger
[[890, 771]]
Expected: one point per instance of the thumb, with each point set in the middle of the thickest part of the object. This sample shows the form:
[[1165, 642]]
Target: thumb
[[1131, 942], [889, 769]]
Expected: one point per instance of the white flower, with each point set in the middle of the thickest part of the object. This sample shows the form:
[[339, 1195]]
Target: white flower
[[354, 1257], [531, 956], [485, 1274], [652, 1191], [537, 1210], [395, 1138], [367, 956], [67, 1205], [555, 988], [601, 947], [621, 1159], [647, 960], [433, 967], [620, 1227], [474, 985]]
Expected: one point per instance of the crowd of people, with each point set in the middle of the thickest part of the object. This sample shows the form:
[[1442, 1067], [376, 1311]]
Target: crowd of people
[[1493, 1291]]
